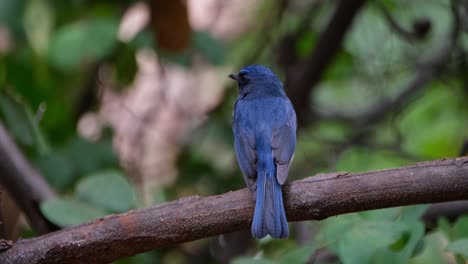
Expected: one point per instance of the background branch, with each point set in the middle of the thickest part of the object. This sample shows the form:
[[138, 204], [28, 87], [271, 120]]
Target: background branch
[[196, 217], [23, 183], [419, 31], [429, 69], [450, 210], [301, 78]]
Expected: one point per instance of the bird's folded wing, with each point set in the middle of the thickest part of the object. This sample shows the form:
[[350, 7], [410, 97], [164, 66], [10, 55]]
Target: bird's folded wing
[[284, 145], [247, 158]]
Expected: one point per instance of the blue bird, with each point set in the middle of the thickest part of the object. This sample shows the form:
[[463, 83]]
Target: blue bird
[[264, 126]]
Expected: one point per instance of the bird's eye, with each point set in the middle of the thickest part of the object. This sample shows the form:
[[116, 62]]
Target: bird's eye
[[243, 77]]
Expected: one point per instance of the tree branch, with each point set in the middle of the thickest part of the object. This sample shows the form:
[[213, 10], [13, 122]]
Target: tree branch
[[419, 31], [23, 183], [313, 198], [429, 69], [301, 78], [450, 210]]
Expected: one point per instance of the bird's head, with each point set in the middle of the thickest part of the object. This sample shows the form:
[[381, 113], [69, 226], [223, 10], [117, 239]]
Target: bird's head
[[255, 77]]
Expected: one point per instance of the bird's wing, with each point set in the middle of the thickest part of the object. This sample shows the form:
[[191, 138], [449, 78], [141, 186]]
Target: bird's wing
[[244, 143], [284, 143]]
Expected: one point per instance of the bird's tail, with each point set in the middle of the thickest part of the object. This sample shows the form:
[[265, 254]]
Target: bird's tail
[[269, 216]]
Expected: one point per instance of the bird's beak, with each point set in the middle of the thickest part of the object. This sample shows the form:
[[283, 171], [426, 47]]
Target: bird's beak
[[234, 76]]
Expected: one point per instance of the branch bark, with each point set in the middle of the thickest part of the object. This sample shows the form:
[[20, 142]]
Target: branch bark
[[23, 183], [313, 198]]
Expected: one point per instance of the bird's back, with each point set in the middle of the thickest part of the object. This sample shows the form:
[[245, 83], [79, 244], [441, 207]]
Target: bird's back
[[262, 114]]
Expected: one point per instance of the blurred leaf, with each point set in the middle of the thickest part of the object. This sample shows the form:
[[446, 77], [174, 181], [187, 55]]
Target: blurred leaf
[[443, 226], [460, 228], [305, 44], [69, 212], [143, 258], [459, 247], [142, 40], [21, 122], [108, 190], [401, 243], [213, 50], [125, 64], [57, 170], [90, 156], [373, 237], [409, 244], [432, 252], [412, 213], [298, 255], [361, 159], [360, 243], [333, 131], [388, 214], [38, 22], [373, 45], [440, 109], [341, 68], [251, 260], [10, 14], [83, 41], [170, 24]]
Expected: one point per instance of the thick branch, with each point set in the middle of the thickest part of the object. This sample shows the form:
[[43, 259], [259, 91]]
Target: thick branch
[[23, 183], [313, 198], [301, 79]]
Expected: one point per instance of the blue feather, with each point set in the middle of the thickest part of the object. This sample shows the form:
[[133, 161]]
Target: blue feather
[[264, 126]]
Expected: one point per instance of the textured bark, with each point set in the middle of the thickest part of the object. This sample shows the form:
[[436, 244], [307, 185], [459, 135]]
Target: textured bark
[[312, 198]]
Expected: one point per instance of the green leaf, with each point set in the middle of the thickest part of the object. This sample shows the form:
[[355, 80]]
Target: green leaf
[[10, 14], [432, 252], [298, 255], [362, 159], [88, 156], [21, 122], [56, 169], [444, 226], [251, 260], [361, 242], [370, 238], [212, 49], [412, 213], [142, 258], [38, 31], [401, 243], [460, 228], [83, 41], [125, 64], [305, 44], [108, 190], [69, 212], [442, 110], [459, 247]]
